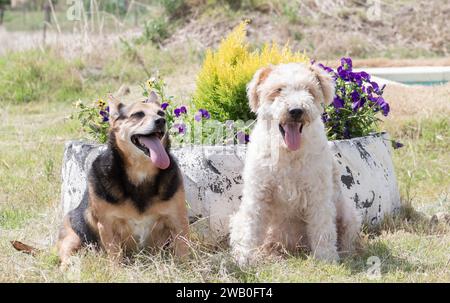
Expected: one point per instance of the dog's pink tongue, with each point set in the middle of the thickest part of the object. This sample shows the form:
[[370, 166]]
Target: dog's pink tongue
[[158, 153], [292, 135]]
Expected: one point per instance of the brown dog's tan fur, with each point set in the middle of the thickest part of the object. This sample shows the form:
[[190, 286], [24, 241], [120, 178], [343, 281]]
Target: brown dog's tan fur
[[123, 226]]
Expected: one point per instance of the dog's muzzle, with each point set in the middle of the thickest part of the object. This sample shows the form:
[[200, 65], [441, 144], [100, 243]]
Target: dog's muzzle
[[150, 144], [291, 130]]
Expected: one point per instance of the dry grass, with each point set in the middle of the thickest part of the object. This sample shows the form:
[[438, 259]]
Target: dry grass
[[408, 29], [418, 102], [409, 248]]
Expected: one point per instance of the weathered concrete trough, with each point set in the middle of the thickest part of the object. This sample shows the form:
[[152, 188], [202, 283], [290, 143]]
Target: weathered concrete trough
[[213, 181]]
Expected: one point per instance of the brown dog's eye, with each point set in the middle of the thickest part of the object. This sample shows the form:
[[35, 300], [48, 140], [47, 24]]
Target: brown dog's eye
[[138, 115], [161, 113]]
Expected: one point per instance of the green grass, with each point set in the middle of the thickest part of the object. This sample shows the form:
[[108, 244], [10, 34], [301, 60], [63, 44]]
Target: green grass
[[31, 192], [34, 20], [423, 165], [34, 75]]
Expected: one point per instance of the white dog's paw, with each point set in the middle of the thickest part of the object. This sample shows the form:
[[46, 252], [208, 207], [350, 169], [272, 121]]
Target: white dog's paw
[[330, 255], [243, 257]]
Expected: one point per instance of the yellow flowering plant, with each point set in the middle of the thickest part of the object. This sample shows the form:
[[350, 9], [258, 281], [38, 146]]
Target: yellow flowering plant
[[221, 83]]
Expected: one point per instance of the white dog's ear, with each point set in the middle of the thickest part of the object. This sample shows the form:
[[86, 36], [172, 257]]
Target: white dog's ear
[[252, 87], [326, 83]]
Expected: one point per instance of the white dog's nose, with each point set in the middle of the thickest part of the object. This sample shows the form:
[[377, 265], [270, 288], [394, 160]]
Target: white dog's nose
[[296, 113]]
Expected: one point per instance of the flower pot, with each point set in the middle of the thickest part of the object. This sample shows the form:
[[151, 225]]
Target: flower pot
[[213, 181]]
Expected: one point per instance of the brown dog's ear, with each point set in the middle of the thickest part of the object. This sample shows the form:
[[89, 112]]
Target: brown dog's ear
[[252, 87], [152, 98], [326, 83], [116, 108]]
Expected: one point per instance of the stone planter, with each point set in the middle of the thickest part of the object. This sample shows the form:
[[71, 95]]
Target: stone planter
[[213, 182]]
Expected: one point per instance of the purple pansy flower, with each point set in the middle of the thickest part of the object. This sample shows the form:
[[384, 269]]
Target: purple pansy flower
[[365, 76], [338, 102], [358, 104], [355, 96], [205, 113], [181, 127], [180, 110], [202, 113], [375, 87], [326, 68], [346, 63], [356, 77], [353, 89], [382, 104], [385, 108], [164, 105], [105, 114], [397, 145], [342, 73], [242, 137]]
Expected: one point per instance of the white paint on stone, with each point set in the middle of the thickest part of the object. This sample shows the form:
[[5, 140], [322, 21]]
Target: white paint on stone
[[213, 181]]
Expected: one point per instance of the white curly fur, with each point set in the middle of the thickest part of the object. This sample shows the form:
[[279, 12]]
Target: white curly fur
[[290, 197]]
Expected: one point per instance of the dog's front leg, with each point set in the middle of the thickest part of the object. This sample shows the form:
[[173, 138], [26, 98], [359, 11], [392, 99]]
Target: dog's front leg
[[248, 226], [321, 229], [178, 224], [109, 241]]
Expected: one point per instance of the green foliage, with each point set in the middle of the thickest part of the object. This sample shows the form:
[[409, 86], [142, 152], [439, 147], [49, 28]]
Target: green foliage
[[234, 4], [94, 119], [12, 218], [291, 12], [119, 7], [221, 83], [155, 31], [35, 75], [158, 86], [174, 8], [4, 3]]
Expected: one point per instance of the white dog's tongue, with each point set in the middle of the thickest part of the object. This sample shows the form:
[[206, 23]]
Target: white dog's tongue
[[292, 135], [158, 153]]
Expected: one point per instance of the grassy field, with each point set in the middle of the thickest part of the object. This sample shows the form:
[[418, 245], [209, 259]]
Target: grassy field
[[32, 137], [38, 87]]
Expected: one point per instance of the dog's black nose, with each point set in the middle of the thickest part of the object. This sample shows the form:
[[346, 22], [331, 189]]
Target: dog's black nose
[[160, 122], [296, 113]]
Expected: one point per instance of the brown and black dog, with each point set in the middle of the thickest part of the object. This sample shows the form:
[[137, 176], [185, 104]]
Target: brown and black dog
[[135, 197]]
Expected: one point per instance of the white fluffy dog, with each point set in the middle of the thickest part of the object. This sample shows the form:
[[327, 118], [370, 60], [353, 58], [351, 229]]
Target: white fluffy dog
[[291, 196]]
